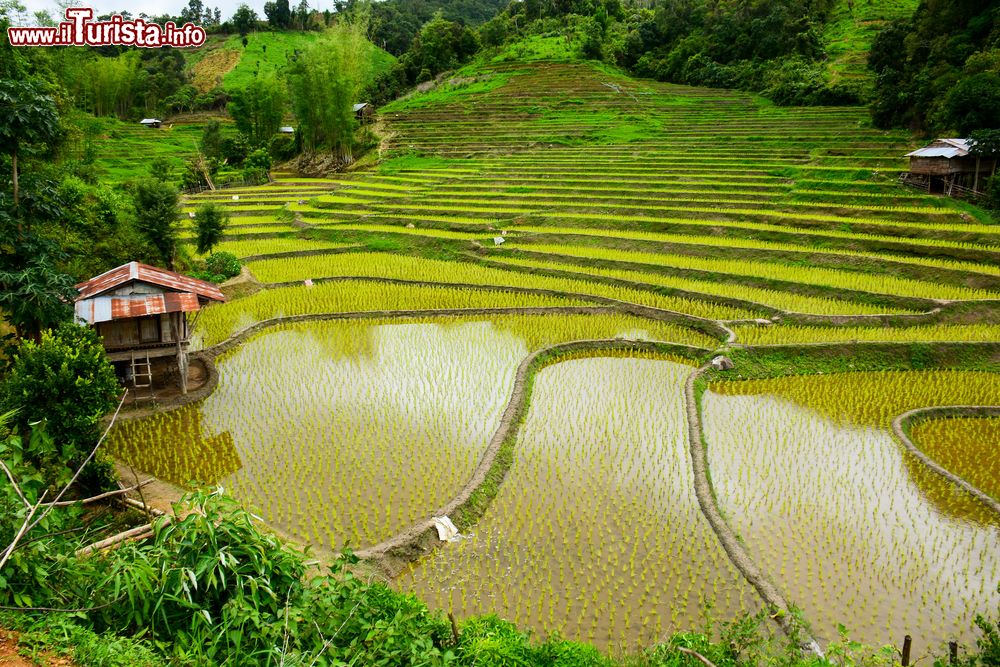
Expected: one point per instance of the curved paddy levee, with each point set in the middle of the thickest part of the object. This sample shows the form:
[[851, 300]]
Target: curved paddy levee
[[840, 516], [347, 432], [595, 532], [962, 443]]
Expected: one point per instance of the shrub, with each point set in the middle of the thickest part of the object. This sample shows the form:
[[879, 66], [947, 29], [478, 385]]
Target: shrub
[[66, 381], [223, 263], [211, 582]]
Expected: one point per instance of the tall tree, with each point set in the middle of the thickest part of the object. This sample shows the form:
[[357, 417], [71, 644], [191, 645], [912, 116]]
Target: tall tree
[[324, 82], [211, 140], [28, 120], [157, 213], [210, 221], [258, 109], [278, 13], [34, 293], [244, 20], [302, 14]]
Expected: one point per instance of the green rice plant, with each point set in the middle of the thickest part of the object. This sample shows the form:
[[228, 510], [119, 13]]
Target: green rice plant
[[218, 322], [790, 334], [851, 280], [429, 232], [967, 446], [595, 532], [843, 520], [932, 242], [346, 432], [788, 301], [383, 265], [736, 242], [250, 247]]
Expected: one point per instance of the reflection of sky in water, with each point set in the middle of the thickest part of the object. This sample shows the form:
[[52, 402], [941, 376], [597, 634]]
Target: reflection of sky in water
[[832, 513], [596, 530], [370, 425]]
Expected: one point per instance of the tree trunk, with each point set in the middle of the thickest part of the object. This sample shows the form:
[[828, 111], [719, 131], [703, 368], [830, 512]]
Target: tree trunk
[[975, 182]]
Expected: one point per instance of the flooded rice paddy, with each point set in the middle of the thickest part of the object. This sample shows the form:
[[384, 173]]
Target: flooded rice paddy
[[596, 531], [852, 528], [346, 432]]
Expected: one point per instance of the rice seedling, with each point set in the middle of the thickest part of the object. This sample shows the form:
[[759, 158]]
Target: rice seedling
[[383, 265], [788, 334], [789, 301], [347, 432], [852, 280], [596, 532], [218, 322], [251, 247], [844, 521], [735, 242], [967, 446]]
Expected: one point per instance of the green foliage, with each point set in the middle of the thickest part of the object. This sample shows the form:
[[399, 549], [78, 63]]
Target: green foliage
[[932, 69], [211, 140], [493, 642], [324, 82], [66, 381], [161, 169], [61, 635], [278, 13], [211, 582], [223, 264], [258, 109], [35, 296], [28, 120], [210, 221], [244, 20], [974, 103], [157, 211]]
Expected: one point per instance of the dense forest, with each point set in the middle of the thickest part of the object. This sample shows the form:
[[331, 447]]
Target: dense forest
[[940, 69]]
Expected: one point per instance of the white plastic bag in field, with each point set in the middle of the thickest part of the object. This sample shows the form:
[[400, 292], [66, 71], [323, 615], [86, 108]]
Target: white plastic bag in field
[[497, 240], [447, 532]]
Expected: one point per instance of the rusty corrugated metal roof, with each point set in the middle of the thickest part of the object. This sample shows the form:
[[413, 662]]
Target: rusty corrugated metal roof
[[106, 308], [136, 272]]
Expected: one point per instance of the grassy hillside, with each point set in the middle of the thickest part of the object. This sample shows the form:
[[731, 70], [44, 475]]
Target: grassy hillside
[[849, 32], [224, 60], [123, 150]]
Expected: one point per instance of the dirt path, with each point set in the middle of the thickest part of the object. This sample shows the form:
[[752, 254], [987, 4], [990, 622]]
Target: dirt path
[[9, 656]]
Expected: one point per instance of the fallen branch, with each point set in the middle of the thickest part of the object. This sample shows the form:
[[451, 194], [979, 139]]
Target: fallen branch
[[137, 533], [132, 502], [102, 496], [697, 656]]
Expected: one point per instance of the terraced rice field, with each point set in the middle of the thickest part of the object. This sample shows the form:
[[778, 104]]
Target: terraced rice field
[[392, 363]]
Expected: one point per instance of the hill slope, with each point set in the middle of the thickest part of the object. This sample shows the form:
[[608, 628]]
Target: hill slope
[[849, 33], [224, 61]]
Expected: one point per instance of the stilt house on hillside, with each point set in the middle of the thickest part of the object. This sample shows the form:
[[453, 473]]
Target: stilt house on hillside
[[363, 112], [140, 311], [947, 167]]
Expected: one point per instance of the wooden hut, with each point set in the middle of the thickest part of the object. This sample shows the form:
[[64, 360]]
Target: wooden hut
[[364, 112], [140, 311], [151, 122], [946, 166]]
